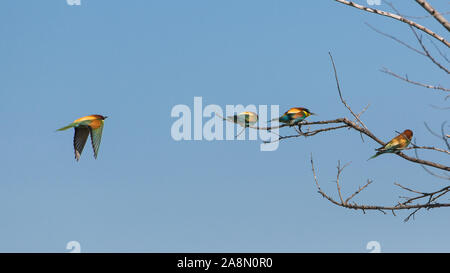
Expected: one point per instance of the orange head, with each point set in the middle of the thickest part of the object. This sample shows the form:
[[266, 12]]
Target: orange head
[[408, 133], [300, 109]]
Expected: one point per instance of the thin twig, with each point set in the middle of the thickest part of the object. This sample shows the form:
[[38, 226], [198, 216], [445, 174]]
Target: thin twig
[[387, 71], [340, 93], [395, 39]]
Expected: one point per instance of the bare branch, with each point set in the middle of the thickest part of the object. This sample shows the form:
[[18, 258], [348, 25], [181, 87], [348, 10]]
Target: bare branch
[[430, 172], [439, 51], [307, 134], [423, 17], [395, 39], [396, 17], [387, 71], [434, 13], [439, 108], [406, 205], [428, 148], [340, 93], [372, 136], [442, 136], [358, 191], [419, 39]]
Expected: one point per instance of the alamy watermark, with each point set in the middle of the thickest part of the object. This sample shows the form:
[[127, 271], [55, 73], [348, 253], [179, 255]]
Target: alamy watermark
[[74, 247], [73, 2], [374, 247], [374, 2], [191, 125]]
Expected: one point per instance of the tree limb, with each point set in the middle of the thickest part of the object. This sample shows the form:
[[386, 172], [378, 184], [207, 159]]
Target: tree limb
[[434, 13], [396, 17]]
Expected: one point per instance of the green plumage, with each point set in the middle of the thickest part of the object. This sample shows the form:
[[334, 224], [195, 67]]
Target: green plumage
[[83, 129], [67, 127], [75, 124], [389, 148]]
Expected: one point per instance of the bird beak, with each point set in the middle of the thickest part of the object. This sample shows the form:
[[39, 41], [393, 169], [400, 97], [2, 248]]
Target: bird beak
[[313, 114], [105, 117]]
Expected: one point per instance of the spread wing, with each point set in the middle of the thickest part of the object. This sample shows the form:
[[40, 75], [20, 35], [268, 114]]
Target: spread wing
[[96, 138], [79, 140]]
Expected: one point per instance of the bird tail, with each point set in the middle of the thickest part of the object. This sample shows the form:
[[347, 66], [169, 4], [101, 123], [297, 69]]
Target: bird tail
[[274, 119], [375, 155], [67, 127], [221, 116]]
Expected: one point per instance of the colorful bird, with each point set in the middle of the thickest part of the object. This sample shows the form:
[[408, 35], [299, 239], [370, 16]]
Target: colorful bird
[[293, 116], [245, 119], [396, 144], [84, 126]]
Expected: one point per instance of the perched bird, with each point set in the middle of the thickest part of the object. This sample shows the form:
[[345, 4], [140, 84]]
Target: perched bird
[[84, 126], [396, 144], [293, 116], [245, 119]]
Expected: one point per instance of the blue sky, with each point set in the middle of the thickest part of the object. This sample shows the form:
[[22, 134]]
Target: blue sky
[[135, 60]]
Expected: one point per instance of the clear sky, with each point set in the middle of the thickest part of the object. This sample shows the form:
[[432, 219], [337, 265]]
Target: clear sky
[[135, 60]]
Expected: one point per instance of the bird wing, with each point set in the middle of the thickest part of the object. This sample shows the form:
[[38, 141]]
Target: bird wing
[[396, 143], [284, 118], [242, 119], [79, 140], [299, 115], [287, 116], [96, 138]]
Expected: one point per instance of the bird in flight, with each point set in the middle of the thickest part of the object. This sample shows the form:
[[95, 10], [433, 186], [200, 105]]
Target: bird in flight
[[84, 126], [245, 119], [396, 144], [293, 116]]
